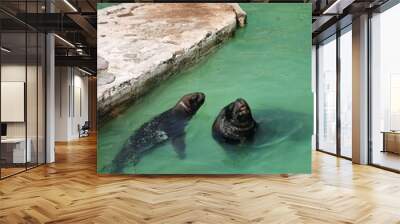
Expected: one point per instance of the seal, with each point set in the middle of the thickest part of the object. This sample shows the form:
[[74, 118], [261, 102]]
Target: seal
[[169, 125], [234, 124]]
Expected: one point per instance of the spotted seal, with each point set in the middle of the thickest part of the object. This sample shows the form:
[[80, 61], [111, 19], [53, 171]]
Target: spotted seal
[[167, 126], [234, 124]]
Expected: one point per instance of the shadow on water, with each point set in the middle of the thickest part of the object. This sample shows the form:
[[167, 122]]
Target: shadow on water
[[275, 126]]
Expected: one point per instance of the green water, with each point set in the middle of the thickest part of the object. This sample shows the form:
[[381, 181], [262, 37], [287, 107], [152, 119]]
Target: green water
[[268, 63], [104, 5]]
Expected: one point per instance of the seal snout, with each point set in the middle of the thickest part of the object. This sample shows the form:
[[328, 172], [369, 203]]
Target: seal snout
[[242, 107], [241, 110], [191, 102], [201, 97]]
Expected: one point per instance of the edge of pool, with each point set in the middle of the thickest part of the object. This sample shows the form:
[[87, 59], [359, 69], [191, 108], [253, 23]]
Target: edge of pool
[[114, 99]]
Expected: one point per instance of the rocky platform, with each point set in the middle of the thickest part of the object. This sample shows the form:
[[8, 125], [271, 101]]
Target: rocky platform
[[140, 44]]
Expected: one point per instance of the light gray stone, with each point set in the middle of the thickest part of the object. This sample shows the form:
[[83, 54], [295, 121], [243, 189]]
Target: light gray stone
[[144, 44], [104, 78], [102, 64]]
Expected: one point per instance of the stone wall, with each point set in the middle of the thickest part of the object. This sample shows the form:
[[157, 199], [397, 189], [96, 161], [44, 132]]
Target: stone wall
[[140, 45]]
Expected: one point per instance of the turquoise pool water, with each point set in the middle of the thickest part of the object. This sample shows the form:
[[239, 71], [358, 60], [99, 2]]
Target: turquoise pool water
[[104, 5], [268, 63]]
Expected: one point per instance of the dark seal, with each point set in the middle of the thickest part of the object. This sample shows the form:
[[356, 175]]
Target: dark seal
[[234, 124], [169, 125]]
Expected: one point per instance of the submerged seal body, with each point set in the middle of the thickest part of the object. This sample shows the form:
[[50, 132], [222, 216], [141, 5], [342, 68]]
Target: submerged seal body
[[234, 124], [169, 125]]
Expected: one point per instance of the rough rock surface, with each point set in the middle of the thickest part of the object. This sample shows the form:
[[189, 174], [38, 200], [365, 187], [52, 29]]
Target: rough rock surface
[[142, 44]]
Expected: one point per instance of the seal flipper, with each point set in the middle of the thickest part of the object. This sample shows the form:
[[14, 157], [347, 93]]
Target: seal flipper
[[179, 145]]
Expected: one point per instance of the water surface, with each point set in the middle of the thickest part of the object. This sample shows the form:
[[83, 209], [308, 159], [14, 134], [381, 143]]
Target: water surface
[[268, 63]]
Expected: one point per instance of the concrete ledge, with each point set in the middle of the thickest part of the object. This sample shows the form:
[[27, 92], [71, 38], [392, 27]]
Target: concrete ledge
[[140, 45]]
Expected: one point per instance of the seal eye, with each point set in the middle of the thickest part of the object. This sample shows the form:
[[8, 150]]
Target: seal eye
[[193, 99]]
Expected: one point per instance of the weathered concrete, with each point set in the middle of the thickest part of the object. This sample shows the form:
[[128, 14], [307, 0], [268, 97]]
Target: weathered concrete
[[142, 44]]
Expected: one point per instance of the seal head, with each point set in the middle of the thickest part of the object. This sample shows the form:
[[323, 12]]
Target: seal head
[[191, 103], [240, 113], [235, 123]]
